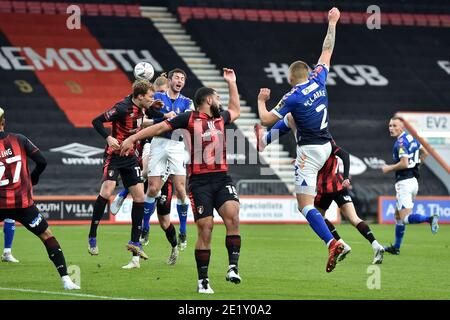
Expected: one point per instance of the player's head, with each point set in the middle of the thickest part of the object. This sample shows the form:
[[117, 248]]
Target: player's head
[[298, 72], [207, 99], [2, 119], [177, 79], [161, 83], [143, 93], [396, 126]]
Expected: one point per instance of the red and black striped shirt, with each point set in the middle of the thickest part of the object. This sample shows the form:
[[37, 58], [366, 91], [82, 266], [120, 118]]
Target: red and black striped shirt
[[206, 140], [15, 182], [329, 179]]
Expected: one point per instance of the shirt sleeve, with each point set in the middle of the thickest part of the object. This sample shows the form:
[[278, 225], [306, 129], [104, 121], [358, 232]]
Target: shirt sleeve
[[29, 146], [319, 73], [119, 111], [226, 116], [190, 105], [402, 149], [285, 105], [180, 121]]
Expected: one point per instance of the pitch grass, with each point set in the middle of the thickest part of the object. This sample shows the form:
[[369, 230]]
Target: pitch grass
[[277, 262]]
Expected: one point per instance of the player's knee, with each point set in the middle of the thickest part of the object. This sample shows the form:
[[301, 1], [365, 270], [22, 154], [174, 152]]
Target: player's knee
[[46, 234], [152, 190]]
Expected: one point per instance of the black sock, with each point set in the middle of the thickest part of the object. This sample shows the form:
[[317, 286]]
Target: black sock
[[202, 259], [56, 255], [233, 244], [364, 229], [137, 214], [332, 229], [99, 209], [171, 235]]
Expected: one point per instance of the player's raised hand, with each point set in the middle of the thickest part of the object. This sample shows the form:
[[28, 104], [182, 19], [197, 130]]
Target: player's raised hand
[[346, 183], [229, 75], [264, 94], [333, 15], [126, 147], [157, 104], [170, 115], [113, 143]]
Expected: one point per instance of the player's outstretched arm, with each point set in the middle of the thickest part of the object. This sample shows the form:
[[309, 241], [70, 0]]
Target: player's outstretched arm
[[423, 154], [328, 43], [234, 105], [155, 130], [267, 118], [401, 165]]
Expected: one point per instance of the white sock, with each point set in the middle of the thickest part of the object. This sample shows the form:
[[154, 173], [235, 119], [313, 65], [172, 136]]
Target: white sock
[[375, 245], [66, 278], [135, 259], [6, 250], [329, 242]]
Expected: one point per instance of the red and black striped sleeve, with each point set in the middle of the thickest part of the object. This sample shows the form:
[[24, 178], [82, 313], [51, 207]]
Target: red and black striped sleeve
[[181, 121], [34, 154]]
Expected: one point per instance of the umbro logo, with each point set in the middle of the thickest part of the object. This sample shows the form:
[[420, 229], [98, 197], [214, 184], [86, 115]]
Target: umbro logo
[[347, 198]]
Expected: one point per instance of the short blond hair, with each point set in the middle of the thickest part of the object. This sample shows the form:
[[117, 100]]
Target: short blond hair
[[299, 70], [2, 113], [162, 80]]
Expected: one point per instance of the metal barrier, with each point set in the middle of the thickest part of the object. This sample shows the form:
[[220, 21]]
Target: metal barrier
[[261, 187]]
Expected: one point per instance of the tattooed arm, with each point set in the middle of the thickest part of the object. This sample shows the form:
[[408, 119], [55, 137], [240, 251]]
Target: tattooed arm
[[328, 43]]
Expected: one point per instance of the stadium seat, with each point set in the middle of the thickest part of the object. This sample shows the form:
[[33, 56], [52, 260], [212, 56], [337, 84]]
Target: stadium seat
[[278, 16], [304, 16], [265, 15], [133, 10], [225, 14], [251, 14], [421, 19], [105, 9], [433, 20], [358, 17], [291, 16], [48, 7], [395, 19], [445, 20], [119, 10], [385, 21], [345, 18], [318, 17], [198, 13], [408, 19], [5, 6], [91, 9], [238, 14], [34, 7], [19, 6], [212, 13], [185, 13]]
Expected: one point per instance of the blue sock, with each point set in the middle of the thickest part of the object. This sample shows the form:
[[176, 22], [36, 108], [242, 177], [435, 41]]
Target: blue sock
[[399, 233], [149, 208], [182, 208], [317, 223], [416, 218], [8, 230], [124, 193]]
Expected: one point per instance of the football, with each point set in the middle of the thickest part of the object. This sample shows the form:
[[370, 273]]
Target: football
[[144, 70]]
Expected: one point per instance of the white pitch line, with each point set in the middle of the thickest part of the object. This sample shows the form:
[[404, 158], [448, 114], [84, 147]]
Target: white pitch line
[[65, 294]]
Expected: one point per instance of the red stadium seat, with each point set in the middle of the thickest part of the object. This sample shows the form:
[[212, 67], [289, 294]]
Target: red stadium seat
[[304, 16], [212, 13], [198, 13], [5, 6], [34, 7], [445, 20], [119, 10], [105, 9], [251, 14], [395, 19], [19, 6], [185, 13], [345, 18], [291, 15], [408, 19], [385, 21], [318, 17], [48, 7], [265, 15], [421, 19], [133, 10], [358, 17], [433, 20], [238, 14], [91, 9], [225, 14], [278, 16]]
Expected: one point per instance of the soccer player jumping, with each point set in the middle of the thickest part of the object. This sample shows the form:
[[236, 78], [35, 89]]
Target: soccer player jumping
[[308, 102]]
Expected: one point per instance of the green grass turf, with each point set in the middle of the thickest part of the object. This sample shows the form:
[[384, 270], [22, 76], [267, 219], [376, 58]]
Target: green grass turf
[[277, 262]]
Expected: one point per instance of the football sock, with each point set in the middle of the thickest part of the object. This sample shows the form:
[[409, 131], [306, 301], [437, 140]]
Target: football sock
[[332, 229], [123, 193], [171, 235], [99, 209], [182, 208], [317, 223], [8, 230], [415, 218], [137, 213], [364, 229], [149, 208], [399, 233], [56, 255], [202, 260], [233, 244]]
